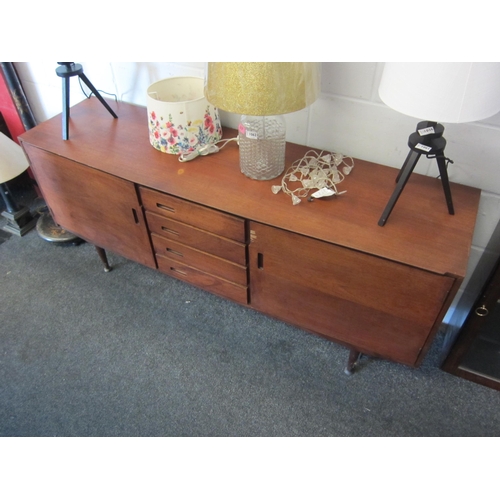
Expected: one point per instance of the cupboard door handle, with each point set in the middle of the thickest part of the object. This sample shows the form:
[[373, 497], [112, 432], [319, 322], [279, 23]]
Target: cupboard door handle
[[136, 218], [482, 311], [260, 261]]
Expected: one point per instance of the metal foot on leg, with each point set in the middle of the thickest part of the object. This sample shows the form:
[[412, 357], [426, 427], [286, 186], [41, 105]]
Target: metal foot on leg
[[351, 363], [102, 255]]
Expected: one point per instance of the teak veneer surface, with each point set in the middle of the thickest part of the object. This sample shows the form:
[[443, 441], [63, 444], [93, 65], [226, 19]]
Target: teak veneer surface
[[419, 232]]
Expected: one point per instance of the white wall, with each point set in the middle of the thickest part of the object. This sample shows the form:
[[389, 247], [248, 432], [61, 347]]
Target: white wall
[[349, 117]]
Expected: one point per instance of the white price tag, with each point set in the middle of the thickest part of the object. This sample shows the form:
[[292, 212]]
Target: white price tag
[[251, 135], [426, 131], [423, 147]]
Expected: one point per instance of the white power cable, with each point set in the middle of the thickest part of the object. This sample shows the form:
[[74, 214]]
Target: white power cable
[[205, 150]]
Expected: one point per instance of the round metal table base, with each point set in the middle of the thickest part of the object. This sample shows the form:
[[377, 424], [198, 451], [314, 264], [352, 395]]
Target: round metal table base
[[49, 231]]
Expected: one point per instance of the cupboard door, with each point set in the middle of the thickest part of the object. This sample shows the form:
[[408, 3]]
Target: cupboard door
[[98, 207], [375, 305]]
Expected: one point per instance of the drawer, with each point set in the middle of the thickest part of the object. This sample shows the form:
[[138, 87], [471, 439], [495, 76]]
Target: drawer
[[197, 238], [193, 214], [208, 282], [200, 260]]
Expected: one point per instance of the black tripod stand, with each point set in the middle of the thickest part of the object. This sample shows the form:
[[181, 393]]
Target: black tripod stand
[[428, 140], [66, 71]]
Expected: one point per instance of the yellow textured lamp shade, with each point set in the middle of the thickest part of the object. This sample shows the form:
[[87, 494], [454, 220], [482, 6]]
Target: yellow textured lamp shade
[[262, 89]]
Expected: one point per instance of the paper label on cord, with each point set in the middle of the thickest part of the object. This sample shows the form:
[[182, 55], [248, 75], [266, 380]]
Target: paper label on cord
[[323, 192]]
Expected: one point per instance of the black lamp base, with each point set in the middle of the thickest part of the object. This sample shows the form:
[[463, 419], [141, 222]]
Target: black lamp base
[[427, 140], [66, 71], [19, 222]]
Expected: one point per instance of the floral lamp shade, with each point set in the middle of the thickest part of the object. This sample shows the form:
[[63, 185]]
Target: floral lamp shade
[[180, 118]]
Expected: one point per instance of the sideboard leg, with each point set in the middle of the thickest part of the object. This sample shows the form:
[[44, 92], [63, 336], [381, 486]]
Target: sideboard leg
[[102, 254], [351, 363]]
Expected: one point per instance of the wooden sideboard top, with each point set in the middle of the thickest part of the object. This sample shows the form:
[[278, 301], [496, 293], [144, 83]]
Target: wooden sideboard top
[[419, 232]]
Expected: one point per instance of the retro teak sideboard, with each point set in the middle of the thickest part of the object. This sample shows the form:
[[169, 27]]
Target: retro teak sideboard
[[325, 266]]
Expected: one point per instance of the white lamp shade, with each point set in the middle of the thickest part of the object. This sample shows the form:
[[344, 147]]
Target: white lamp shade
[[13, 162], [450, 92], [262, 88]]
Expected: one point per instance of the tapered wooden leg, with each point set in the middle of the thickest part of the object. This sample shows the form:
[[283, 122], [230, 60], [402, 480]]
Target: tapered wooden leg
[[102, 254], [351, 363]]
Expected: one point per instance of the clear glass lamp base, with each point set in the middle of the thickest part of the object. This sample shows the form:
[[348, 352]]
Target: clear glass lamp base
[[262, 141]]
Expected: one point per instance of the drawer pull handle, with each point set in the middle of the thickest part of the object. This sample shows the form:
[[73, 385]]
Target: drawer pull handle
[[175, 252], [168, 230], [174, 270], [164, 207]]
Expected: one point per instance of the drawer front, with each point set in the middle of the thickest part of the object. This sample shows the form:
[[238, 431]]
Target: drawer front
[[195, 215], [200, 260], [197, 238], [207, 281]]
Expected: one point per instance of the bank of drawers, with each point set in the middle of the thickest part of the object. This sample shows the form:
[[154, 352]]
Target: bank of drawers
[[202, 246]]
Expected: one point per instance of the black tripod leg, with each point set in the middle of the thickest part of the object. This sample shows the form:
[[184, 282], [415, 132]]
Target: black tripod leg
[[402, 179], [446, 183], [96, 93], [65, 114]]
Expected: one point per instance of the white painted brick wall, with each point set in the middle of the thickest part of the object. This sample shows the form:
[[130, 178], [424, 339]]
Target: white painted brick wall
[[349, 117]]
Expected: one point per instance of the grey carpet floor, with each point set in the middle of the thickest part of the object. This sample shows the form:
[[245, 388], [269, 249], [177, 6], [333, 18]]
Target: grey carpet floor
[[136, 353]]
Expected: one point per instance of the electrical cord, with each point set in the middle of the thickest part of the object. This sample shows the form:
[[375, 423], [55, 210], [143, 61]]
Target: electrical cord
[[434, 156], [205, 150], [88, 96]]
